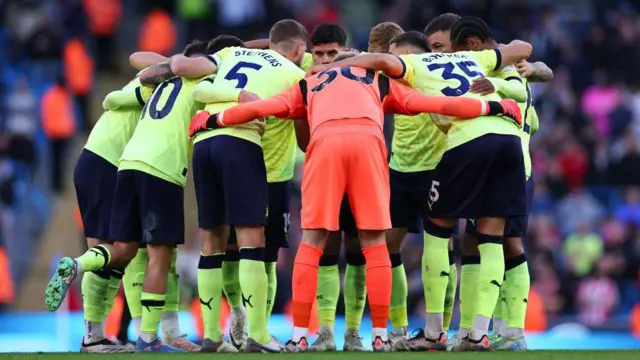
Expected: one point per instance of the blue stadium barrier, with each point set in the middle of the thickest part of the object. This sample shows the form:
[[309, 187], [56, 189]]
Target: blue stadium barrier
[[60, 332]]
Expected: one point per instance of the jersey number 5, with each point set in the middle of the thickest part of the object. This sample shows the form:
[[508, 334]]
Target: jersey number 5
[[152, 106], [448, 73], [241, 78], [332, 74]]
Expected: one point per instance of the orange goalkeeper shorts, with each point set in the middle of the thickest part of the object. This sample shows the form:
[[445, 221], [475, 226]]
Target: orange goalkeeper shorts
[[351, 163]]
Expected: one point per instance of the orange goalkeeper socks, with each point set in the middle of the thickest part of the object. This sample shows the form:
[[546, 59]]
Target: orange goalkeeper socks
[[305, 283], [378, 283]]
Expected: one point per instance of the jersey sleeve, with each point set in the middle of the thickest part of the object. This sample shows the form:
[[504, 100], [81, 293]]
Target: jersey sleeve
[[294, 99], [286, 105], [397, 99], [208, 92], [129, 96], [406, 101], [409, 69], [488, 60], [307, 62], [218, 57]]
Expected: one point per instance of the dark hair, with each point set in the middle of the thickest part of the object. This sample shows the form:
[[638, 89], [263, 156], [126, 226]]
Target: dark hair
[[286, 30], [469, 26], [443, 22], [327, 33], [223, 41], [195, 47], [413, 38]]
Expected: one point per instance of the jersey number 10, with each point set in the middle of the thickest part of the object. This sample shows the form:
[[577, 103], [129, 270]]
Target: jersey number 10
[[448, 73], [152, 105]]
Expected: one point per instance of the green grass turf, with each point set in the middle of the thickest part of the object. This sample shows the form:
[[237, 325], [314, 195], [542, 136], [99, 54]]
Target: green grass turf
[[546, 355]]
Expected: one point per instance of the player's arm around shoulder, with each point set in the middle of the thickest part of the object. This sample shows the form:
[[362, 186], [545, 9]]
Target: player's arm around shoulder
[[140, 60], [512, 53], [156, 74], [127, 97], [193, 67], [207, 92], [390, 65]]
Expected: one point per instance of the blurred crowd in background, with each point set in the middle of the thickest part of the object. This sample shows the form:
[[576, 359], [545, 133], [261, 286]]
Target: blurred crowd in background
[[584, 233]]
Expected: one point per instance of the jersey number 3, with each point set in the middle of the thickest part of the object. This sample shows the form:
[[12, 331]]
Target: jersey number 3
[[332, 74], [448, 73], [236, 74], [152, 105]]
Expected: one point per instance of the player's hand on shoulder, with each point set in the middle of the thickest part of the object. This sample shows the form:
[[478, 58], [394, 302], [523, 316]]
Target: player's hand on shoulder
[[525, 68], [482, 86], [246, 96], [202, 121]]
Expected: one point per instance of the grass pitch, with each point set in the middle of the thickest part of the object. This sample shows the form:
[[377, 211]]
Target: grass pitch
[[530, 355]]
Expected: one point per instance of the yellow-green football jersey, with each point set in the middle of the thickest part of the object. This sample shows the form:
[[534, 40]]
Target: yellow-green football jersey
[[307, 62], [114, 128], [452, 75], [263, 72], [160, 144], [511, 74]]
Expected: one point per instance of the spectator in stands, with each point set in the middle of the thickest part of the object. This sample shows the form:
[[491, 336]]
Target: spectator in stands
[[78, 71], [157, 33], [597, 296], [582, 250], [44, 44], [59, 125], [577, 208], [197, 15], [629, 211], [21, 124], [104, 18]]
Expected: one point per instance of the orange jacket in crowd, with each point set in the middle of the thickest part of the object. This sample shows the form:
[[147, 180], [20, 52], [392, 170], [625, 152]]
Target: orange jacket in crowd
[[58, 119], [104, 16], [78, 67], [157, 33], [6, 289]]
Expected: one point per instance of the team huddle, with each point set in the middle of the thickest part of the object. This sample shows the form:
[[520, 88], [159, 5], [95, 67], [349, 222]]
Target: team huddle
[[462, 116]]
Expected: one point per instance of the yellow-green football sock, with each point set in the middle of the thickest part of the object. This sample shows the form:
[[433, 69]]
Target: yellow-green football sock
[[435, 274], [94, 289], [469, 272], [517, 286], [253, 282], [173, 287], [450, 297], [355, 290], [115, 278], [231, 278], [169, 322], [328, 289], [152, 306], [490, 278], [399, 293], [272, 276], [499, 320], [94, 259], [210, 292], [132, 282]]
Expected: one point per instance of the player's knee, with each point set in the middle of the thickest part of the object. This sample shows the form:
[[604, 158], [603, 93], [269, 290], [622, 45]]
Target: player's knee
[[123, 253], [352, 244], [371, 238], [513, 247], [315, 237], [214, 241], [160, 255], [250, 236], [394, 238], [491, 226], [334, 241], [469, 245]]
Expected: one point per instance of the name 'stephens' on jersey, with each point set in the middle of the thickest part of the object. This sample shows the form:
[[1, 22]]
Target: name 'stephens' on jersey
[[270, 59]]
